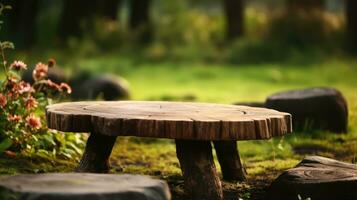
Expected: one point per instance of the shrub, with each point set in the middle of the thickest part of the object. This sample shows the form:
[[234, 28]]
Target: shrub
[[22, 119], [304, 29]]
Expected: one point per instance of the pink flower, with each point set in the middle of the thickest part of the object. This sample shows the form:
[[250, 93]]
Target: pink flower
[[18, 65], [40, 71], [25, 88], [33, 121], [14, 118], [53, 85], [11, 83], [30, 103], [12, 95], [3, 100], [64, 87]]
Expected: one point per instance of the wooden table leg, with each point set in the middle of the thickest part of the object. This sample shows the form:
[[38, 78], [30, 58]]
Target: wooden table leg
[[199, 172], [95, 158], [229, 159]]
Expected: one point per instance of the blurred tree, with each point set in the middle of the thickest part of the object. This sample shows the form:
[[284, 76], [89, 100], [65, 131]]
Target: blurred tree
[[351, 23], [301, 25], [75, 14], [78, 15], [139, 21], [234, 13], [108, 9], [22, 22], [305, 5]]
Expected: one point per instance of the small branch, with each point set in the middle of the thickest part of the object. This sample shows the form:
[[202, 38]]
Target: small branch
[[3, 59]]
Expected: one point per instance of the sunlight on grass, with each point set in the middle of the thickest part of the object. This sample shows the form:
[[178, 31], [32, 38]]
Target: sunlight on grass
[[265, 150], [225, 84], [276, 165]]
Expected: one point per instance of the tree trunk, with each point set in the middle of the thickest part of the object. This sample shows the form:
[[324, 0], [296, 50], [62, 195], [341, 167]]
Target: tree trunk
[[108, 9], [234, 12], [139, 21], [75, 16], [229, 159], [351, 24], [95, 158], [199, 171], [22, 22]]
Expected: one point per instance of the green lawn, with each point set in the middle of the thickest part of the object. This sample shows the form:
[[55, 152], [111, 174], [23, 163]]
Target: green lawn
[[224, 83], [221, 83]]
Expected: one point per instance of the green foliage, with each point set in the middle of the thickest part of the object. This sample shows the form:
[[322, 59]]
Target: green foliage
[[305, 29], [5, 144], [187, 33], [253, 51], [23, 126]]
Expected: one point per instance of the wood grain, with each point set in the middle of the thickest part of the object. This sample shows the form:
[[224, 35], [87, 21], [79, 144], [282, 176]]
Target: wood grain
[[175, 120]]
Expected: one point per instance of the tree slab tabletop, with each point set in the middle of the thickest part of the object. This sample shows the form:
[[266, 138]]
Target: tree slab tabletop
[[175, 120]]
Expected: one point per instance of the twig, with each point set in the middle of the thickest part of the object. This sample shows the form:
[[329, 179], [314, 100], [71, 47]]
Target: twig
[[3, 59]]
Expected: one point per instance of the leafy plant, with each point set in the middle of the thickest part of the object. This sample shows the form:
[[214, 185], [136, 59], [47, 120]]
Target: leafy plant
[[22, 119], [300, 198]]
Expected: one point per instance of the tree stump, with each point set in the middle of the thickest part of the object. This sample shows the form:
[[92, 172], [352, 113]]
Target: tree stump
[[229, 159], [199, 170], [69, 186], [95, 158], [317, 178]]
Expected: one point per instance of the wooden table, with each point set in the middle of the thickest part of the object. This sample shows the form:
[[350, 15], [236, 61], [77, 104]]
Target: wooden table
[[192, 125]]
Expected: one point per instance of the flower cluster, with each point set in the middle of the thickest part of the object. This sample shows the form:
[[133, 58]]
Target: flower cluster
[[22, 117], [21, 105]]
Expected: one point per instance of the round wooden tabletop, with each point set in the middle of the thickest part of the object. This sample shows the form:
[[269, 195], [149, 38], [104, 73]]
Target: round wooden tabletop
[[175, 120]]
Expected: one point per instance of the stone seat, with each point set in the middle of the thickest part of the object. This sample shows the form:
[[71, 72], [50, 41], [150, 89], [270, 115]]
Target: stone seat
[[69, 186], [317, 178], [313, 108]]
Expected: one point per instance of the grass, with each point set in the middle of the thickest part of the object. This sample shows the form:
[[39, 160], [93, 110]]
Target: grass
[[224, 83], [33, 164], [219, 83]]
